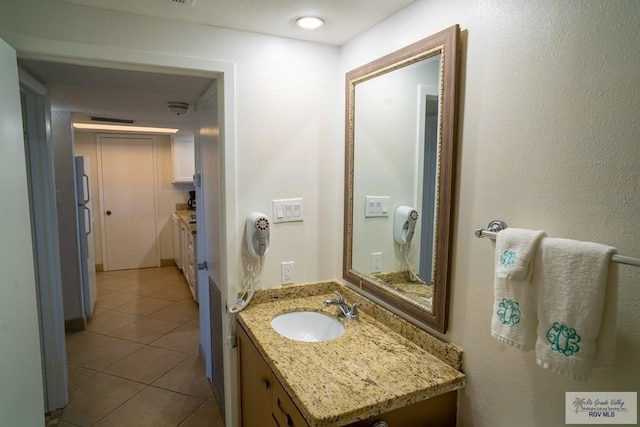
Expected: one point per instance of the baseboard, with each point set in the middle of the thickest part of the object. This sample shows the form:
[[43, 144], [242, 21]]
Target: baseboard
[[99, 268], [167, 262], [74, 325]]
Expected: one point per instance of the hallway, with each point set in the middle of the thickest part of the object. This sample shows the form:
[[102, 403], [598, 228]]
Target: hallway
[[137, 362]]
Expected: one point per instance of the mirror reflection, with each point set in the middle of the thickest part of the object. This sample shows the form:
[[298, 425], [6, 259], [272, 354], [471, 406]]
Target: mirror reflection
[[398, 187], [395, 140]]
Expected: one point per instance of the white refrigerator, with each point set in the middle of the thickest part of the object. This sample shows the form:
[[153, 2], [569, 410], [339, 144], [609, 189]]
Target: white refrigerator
[[85, 235]]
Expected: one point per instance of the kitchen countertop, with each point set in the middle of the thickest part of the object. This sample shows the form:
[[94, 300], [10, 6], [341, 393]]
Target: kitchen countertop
[[183, 214], [381, 363]]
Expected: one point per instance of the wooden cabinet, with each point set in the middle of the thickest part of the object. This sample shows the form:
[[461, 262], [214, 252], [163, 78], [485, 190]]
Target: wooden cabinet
[[262, 399], [264, 402], [183, 159], [284, 411], [438, 411]]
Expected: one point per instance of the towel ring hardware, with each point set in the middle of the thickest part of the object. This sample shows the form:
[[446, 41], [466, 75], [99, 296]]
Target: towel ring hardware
[[497, 225]]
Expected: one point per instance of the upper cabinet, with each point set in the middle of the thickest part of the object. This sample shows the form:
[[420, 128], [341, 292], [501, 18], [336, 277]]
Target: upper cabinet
[[183, 159]]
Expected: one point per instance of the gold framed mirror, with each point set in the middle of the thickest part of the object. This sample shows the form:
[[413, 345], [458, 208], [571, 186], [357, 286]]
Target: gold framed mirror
[[399, 171]]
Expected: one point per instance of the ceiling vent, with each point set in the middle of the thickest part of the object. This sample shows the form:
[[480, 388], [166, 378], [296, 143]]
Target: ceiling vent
[[110, 120], [188, 3]]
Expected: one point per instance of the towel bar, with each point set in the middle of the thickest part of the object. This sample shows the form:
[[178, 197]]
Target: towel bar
[[497, 225]]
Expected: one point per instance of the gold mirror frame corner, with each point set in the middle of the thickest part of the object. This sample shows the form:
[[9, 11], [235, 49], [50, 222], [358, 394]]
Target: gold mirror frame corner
[[447, 43]]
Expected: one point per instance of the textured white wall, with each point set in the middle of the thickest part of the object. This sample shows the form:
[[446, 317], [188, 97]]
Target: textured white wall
[[548, 139]]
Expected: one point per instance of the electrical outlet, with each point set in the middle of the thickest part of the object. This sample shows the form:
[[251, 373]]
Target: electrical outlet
[[287, 272], [376, 262]]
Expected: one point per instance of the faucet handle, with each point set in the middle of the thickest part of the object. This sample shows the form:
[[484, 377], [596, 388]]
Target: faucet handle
[[340, 297], [354, 309]]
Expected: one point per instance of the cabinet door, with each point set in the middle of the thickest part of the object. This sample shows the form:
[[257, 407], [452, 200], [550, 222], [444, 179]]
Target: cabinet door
[[255, 383], [191, 267], [285, 411], [177, 240], [183, 158], [184, 232]]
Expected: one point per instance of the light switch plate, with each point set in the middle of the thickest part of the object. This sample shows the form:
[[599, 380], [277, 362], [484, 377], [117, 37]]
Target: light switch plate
[[376, 206], [288, 210]]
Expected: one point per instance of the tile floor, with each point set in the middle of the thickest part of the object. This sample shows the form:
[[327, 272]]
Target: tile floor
[[137, 362]]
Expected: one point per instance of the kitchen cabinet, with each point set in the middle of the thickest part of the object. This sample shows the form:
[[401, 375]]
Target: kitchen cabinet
[[177, 240], [183, 159], [189, 260], [262, 397]]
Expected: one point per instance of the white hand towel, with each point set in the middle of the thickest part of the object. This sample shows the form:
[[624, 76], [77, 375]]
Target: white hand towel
[[572, 280], [514, 296], [606, 342], [515, 250]]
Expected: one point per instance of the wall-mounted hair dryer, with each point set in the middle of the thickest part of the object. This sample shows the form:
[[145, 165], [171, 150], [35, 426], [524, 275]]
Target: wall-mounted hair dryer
[[258, 239], [404, 224]]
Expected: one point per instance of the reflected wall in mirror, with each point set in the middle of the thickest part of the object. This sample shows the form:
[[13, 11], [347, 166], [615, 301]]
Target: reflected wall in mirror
[[400, 140]]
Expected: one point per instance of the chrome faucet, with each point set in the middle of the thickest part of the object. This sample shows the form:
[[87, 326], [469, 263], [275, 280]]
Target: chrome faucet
[[350, 312]]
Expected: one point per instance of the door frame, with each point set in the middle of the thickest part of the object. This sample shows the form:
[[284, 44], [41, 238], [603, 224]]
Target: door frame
[[29, 47], [44, 218], [103, 227]]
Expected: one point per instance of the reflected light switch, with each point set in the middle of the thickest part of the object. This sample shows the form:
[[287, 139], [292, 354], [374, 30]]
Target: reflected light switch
[[376, 206]]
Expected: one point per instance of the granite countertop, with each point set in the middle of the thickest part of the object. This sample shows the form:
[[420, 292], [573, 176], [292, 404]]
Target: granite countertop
[[381, 363], [183, 214]]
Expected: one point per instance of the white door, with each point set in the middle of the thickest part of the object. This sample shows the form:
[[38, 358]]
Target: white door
[[128, 200], [21, 396], [208, 195]]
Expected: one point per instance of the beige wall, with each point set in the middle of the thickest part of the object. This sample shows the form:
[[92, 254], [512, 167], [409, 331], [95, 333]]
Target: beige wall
[[548, 140], [168, 194]]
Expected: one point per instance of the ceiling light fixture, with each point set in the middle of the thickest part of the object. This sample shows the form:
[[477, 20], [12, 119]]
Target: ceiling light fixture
[[309, 22], [121, 128]]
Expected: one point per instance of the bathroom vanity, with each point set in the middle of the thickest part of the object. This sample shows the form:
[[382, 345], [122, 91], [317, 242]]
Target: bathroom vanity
[[381, 368]]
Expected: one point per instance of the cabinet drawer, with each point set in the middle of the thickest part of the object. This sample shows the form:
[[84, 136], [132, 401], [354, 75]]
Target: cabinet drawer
[[437, 411], [284, 410]]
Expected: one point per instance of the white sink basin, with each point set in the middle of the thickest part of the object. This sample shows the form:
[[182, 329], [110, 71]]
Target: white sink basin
[[308, 326]]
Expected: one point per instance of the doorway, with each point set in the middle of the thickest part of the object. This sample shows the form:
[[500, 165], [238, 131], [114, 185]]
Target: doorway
[[224, 73]]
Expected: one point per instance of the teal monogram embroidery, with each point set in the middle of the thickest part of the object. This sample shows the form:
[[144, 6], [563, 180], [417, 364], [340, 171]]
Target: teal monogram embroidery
[[508, 258], [509, 312], [563, 339]]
